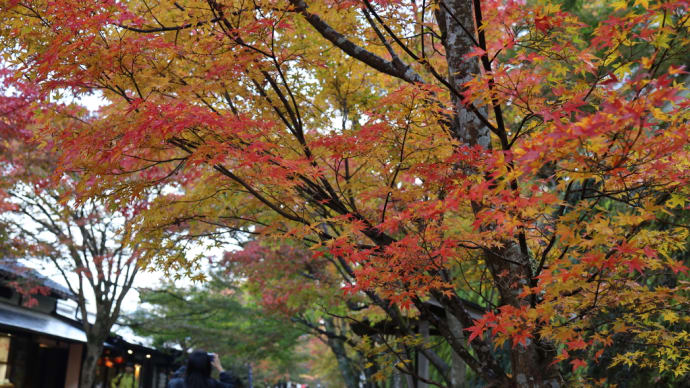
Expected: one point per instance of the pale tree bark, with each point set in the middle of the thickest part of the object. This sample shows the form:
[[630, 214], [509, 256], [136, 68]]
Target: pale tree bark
[[94, 349], [396, 380], [422, 361], [337, 346], [410, 381], [457, 19], [458, 368]]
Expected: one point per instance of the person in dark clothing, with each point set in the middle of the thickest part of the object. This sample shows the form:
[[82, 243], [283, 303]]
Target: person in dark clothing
[[179, 372], [198, 373]]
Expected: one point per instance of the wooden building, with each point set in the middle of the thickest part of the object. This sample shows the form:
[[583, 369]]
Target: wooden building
[[42, 343]]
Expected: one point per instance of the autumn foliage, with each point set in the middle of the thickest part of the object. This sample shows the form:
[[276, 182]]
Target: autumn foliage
[[528, 158]]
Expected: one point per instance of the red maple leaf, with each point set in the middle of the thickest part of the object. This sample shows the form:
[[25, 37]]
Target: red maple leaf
[[475, 331], [577, 344], [542, 23], [521, 337], [577, 363]]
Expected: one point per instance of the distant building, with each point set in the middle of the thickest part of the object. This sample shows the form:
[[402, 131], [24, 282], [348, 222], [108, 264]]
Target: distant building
[[152, 368], [42, 346]]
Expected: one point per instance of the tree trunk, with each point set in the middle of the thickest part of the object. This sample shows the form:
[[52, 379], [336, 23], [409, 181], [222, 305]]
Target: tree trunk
[[530, 363], [422, 361], [410, 381], [465, 126], [458, 368], [89, 367], [338, 348], [96, 335], [369, 373], [396, 379]]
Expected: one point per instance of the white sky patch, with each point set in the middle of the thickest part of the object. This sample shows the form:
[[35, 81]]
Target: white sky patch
[[92, 101]]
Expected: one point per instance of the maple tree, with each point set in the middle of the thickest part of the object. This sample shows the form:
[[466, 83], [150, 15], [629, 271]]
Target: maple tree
[[427, 152], [89, 251], [86, 246]]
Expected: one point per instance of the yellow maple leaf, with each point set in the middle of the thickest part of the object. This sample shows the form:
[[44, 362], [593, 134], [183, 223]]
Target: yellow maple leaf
[[670, 316], [676, 200], [621, 4]]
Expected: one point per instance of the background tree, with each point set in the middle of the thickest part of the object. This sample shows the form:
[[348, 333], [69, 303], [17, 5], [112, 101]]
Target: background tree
[[498, 149], [297, 287], [88, 247], [86, 244], [222, 318]]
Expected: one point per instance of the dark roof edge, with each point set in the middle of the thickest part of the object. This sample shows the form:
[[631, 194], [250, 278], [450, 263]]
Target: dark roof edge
[[17, 270]]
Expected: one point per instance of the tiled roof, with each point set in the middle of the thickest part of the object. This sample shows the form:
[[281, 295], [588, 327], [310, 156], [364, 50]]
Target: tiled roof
[[14, 269]]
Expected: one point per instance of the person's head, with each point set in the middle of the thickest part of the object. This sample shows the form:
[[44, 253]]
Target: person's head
[[198, 369]]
